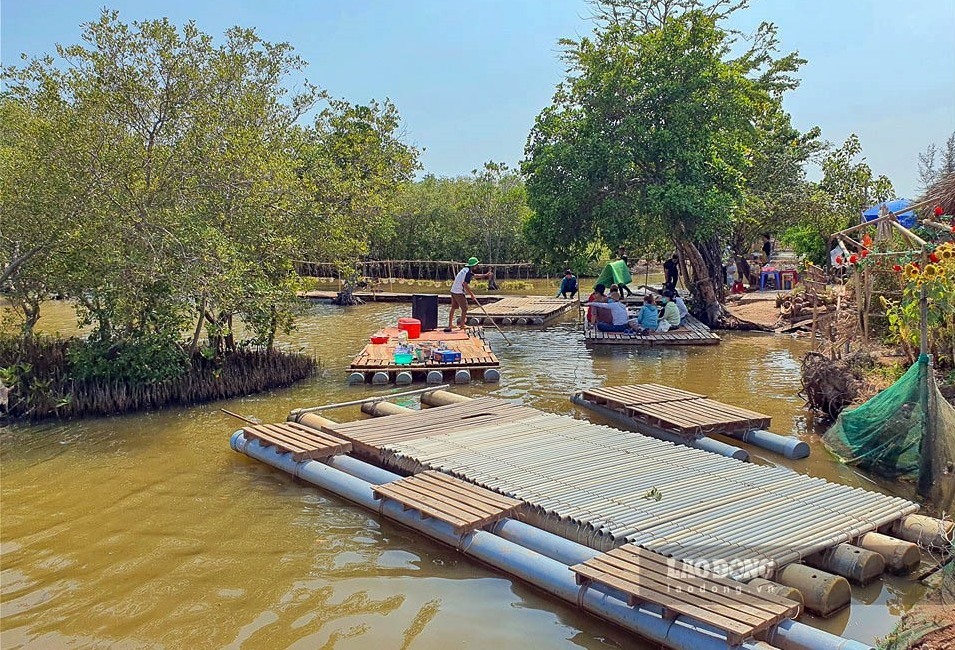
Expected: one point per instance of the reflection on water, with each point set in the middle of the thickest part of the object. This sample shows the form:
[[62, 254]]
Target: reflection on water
[[147, 530]]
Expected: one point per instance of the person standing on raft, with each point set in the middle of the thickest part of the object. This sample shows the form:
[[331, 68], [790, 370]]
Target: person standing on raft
[[460, 289]]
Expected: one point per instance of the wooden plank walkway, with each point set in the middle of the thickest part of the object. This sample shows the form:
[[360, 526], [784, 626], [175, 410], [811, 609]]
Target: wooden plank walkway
[[687, 414], [476, 354], [740, 611], [522, 310], [693, 333], [304, 443], [463, 505], [589, 482], [392, 296]]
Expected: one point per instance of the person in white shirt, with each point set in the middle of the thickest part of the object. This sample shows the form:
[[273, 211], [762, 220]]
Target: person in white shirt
[[618, 311], [460, 289]]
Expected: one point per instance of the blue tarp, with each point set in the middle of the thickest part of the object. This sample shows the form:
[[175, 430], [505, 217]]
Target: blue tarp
[[897, 206]]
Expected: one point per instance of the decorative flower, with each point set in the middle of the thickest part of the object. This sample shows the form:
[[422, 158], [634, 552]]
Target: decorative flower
[[838, 259], [853, 258], [931, 271], [939, 211], [866, 240], [896, 268], [864, 252], [933, 257]]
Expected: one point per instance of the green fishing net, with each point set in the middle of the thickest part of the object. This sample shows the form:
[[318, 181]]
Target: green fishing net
[[907, 430]]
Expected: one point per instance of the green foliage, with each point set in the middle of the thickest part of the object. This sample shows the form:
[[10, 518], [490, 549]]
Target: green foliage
[[144, 360], [162, 180], [646, 140], [454, 218], [848, 187]]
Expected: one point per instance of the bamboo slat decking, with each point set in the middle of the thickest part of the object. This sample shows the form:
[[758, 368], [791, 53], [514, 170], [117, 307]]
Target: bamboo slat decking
[[463, 505], [693, 333], [590, 483], [521, 310], [476, 354], [740, 611], [687, 414]]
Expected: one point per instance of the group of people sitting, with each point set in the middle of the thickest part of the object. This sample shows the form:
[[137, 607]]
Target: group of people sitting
[[609, 313]]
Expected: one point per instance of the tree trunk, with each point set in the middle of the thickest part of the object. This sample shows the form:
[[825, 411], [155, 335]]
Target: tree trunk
[[705, 284]]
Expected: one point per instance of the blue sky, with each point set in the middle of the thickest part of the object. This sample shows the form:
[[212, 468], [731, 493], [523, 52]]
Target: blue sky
[[469, 76]]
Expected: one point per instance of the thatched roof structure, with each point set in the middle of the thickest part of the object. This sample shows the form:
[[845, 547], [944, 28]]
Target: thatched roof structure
[[941, 193]]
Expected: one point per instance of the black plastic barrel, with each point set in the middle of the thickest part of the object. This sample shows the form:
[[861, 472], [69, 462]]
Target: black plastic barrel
[[424, 307]]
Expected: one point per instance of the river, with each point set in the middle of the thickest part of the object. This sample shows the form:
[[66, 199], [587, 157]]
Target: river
[[147, 531]]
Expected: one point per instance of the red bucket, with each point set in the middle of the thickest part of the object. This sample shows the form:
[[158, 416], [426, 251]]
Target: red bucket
[[410, 325]]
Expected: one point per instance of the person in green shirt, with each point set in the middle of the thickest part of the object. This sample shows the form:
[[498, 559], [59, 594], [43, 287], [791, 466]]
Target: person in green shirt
[[670, 318]]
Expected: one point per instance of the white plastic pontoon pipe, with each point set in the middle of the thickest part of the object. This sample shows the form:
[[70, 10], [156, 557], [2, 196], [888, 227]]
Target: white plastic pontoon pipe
[[788, 446], [540, 558], [704, 443]]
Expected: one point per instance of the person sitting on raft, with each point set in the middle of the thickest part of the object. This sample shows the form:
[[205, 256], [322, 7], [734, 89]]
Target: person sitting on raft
[[649, 317], [596, 296], [680, 304], [670, 319], [620, 317], [568, 286]]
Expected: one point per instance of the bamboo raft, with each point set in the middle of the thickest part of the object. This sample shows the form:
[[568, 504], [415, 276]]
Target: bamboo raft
[[693, 333], [376, 362], [686, 414], [589, 483], [521, 310]]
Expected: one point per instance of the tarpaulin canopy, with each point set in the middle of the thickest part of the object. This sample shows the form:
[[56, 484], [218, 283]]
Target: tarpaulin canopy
[[898, 206]]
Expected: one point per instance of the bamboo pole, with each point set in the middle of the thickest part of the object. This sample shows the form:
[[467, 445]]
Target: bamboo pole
[[376, 398]]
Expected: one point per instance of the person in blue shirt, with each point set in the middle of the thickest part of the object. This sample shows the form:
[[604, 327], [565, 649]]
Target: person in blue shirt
[[568, 286], [649, 317]]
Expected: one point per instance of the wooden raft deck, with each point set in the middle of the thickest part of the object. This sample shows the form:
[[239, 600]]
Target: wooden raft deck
[[740, 611], [688, 414], [466, 507], [521, 310], [304, 443], [476, 356], [693, 333], [589, 483]]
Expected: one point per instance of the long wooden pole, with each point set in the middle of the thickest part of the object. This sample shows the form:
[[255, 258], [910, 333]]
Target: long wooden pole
[[493, 322]]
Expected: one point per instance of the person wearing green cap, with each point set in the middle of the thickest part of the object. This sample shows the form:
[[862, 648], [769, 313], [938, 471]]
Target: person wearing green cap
[[460, 289]]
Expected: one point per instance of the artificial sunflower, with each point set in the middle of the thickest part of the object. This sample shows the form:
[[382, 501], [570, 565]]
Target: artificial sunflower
[[931, 271]]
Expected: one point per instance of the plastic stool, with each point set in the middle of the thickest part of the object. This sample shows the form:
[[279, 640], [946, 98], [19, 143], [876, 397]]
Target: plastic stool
[[772, 275], [788, 279]]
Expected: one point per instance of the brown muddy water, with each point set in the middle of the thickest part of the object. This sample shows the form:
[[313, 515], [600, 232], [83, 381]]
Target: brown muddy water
[[146, 530]]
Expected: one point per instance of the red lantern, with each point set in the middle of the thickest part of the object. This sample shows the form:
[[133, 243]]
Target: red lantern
[[933, 257], [853, 258], [896, 268], [939, 211], [839, 257]]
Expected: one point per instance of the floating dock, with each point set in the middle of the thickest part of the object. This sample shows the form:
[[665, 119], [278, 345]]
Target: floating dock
[[521, 310], [376, 362], [688, 418], [590, 483], [693, 333], [391, 296], [651, 536]]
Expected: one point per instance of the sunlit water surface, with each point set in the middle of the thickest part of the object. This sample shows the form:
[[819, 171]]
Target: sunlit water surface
[[146, 530]]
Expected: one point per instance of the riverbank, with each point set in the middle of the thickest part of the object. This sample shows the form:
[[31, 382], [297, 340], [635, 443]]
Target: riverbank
[[47, 377]]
